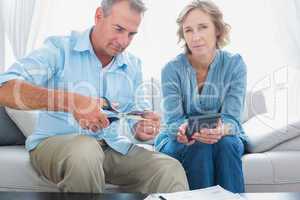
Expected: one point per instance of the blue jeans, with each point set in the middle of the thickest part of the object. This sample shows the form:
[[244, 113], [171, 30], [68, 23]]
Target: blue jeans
[[211, 164]]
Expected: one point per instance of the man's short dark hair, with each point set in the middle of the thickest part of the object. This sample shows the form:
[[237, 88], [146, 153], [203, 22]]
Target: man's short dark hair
[[137, 5]]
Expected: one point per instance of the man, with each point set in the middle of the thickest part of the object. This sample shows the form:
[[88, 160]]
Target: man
[[74, 145]]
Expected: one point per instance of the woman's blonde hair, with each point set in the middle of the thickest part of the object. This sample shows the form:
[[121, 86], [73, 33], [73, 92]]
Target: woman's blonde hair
[[216, 15]]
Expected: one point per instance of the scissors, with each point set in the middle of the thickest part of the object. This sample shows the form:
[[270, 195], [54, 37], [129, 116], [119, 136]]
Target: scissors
[[116, 115]]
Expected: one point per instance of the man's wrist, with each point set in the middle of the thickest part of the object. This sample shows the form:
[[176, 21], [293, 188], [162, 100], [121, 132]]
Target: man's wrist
[[66, 101]]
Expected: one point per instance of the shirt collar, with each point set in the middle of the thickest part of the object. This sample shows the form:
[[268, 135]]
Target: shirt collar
[[122, 61], [83, 43], [215, 60], [211, 66], [82, 40]]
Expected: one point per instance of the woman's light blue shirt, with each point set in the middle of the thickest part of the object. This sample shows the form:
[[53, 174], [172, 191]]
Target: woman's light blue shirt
[[223, 91]]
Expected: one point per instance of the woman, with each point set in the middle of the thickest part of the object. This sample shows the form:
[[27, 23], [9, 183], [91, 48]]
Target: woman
[[205, 79]]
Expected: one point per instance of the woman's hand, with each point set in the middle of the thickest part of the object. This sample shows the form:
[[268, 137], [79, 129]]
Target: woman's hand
[[181, 136], [210, 136]]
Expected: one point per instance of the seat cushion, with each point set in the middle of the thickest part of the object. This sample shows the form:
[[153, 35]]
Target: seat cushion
[[10, 134], [17, 173], [272, 168]]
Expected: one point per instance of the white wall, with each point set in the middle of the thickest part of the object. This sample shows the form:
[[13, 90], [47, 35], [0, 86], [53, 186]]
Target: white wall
[[265, 32], [253, 32]]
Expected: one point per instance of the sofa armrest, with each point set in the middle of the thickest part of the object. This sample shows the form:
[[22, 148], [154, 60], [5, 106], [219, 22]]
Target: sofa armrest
[[25, 120], [10, 134], [265, 134], [289, 145]]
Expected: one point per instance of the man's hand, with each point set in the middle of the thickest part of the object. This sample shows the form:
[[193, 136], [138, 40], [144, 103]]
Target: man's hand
[[149, 128], [86, 111]]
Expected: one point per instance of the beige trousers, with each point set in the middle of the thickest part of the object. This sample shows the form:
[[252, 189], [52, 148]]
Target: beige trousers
[[77, 163]]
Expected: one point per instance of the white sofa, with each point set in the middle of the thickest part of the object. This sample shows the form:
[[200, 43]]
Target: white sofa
[[272, 164]]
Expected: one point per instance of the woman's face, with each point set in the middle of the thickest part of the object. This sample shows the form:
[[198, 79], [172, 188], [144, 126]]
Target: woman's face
[[199, 33]]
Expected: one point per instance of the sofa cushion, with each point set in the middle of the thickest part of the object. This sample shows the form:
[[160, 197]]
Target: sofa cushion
[[17, 173], [255, 104], [25, 120], [10, 134], [257, 168], [272, 168], [264, 133]]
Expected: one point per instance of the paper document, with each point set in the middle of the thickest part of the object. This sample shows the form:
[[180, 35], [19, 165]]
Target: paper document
[[215, 193]]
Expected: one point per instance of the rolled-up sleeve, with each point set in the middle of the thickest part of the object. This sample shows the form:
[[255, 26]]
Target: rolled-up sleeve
[[38, 67], [233, 104]]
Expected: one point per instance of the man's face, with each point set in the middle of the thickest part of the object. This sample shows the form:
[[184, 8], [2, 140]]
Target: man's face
[[112, 34]]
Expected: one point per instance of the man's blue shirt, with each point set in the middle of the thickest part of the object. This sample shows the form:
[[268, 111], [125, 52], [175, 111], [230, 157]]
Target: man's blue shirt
[[69, 63]]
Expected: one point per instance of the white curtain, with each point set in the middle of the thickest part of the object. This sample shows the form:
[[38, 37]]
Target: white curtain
[[22, 21], [18, 16], [286, 15], [2, 42]]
